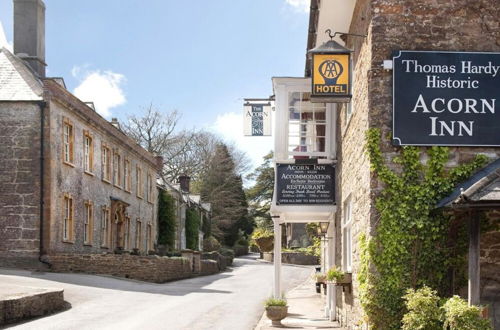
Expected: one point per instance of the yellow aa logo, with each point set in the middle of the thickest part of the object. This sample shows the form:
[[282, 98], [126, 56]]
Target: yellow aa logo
[[330, 70]]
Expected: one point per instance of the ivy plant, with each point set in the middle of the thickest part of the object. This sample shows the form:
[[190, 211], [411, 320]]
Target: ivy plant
[[410, 247]]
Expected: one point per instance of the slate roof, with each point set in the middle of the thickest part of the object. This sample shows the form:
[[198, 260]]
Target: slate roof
[[17, 81], [482, 188]]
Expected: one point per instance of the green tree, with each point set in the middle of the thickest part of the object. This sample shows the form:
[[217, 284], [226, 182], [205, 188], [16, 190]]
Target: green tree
[[222, 186], [166, 220], [260, 195]]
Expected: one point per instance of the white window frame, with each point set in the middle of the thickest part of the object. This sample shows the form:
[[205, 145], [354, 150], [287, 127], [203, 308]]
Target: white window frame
[[347, 235], [283, 86]]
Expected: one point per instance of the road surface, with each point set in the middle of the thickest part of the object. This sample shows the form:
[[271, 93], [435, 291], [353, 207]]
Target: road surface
[[230, 300]]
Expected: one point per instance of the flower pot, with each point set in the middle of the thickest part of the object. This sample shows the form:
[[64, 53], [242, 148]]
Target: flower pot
[[276, 314], [347, 279]]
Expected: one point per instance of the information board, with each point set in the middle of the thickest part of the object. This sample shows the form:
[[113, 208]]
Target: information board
[[307, 184]]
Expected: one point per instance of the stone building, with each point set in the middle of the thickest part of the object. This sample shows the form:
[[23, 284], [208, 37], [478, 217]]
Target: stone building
[[391, 26], [388, 27], [184, 200], [71, 182]]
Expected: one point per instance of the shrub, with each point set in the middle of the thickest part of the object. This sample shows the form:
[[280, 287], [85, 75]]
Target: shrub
[[166, 220], [262, 232], [423, 310], [227, 252], [211, 244], [334, 274], [460, 316], [275, 302]]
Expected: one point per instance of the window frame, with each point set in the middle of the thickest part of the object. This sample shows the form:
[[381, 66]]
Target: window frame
[[117, 173], [127, 175], [139, 182], [138, 234], [150, 187], [88, 222], [106, 227], [68, 219], [347, 235], [126, 239], [327, 122], [106, 163], [68, 156], [88, 157]]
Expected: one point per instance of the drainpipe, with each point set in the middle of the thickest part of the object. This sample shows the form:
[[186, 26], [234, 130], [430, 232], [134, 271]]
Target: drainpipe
[[42, 105]]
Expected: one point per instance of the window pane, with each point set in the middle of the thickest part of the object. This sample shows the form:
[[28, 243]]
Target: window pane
[[294, 114], [320, 144], [320, 114], [306, 115], [320, 130]]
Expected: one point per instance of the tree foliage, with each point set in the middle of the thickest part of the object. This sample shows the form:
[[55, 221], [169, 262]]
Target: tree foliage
[[260, 195], [166, 220], [222, 186], [192, 228], [411, 246]]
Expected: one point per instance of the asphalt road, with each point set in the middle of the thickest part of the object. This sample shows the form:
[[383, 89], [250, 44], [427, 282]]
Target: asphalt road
[[230, 300]]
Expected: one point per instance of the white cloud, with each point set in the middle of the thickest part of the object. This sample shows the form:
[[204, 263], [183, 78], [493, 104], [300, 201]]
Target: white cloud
[[230, 126], [104, 88], [300, 5], [3, 39]]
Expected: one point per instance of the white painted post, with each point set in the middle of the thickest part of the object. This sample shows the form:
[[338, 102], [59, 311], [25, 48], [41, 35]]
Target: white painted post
[[277, 258], [331, 296]]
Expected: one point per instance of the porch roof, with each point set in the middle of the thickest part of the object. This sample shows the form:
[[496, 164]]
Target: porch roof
[[482, 189]]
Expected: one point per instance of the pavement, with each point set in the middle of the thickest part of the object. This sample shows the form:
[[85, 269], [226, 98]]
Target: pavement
[[306, 310], [230, 300]]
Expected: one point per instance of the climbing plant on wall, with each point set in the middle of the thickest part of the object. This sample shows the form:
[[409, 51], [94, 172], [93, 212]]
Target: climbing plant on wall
[[166, 220], [192, 228], [410, 246]]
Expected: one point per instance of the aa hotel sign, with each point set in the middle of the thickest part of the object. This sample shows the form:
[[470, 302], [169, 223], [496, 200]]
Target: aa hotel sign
[[446, 98]]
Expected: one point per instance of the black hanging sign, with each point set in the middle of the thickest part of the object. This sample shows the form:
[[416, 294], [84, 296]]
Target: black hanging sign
[[446, 98], [306, 184]]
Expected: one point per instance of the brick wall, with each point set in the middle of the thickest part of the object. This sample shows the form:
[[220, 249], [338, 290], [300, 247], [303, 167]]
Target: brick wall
[[144, 268], [19, 183], [209, 267]]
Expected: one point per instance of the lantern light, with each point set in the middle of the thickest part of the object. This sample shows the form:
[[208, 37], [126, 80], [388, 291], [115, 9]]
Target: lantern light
[[324, 227], [331, 71]]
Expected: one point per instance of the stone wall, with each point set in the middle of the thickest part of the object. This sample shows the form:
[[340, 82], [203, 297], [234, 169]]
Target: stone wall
[[19, 183], [353, 168], [144, 268], [294, 258], [392, 25], [209, 267]]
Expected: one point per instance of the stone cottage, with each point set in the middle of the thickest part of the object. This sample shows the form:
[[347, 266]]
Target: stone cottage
[[71, 182]]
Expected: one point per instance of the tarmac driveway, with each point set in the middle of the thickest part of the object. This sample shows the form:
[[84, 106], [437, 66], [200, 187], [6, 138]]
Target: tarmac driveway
[[230, 300]]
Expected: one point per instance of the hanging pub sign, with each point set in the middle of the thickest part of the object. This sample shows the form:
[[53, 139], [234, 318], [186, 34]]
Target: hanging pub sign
[[307, 184], [331, 73], [257, 119], [446, 98]]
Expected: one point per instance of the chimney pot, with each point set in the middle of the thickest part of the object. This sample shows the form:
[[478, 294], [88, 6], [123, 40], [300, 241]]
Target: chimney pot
[[184, 182], [29, 33]]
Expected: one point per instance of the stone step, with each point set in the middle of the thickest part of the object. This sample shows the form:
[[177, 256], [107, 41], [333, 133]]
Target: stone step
[[18, 303]]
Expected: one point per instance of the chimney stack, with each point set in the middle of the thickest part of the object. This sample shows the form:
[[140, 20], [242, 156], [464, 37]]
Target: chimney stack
[[184, 181], [29, 33]]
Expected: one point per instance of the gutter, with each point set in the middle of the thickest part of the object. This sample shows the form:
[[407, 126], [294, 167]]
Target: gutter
[[42, 105]]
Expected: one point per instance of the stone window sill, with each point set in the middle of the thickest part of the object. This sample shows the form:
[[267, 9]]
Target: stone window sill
[[68, 163], [87, 244], [68, 241], [89, 173], [106, 180]]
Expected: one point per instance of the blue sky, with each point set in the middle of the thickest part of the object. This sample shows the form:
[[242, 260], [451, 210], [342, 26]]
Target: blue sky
[[200, 57]]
